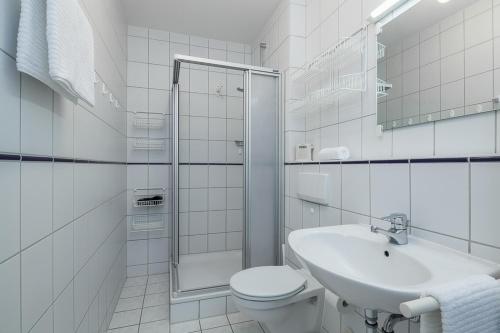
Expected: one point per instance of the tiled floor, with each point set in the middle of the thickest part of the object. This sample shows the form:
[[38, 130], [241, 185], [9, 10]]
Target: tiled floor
[[232, 323], [144, 308]]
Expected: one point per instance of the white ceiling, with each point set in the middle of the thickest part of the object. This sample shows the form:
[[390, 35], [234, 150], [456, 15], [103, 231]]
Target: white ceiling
[[232, 20]]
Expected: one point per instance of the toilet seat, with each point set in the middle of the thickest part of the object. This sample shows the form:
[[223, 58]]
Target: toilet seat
[[267, 283]]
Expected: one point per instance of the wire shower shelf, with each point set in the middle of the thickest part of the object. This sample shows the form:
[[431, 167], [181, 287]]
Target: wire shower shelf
[[152, 222], [149, 120], [149, 197], [382, 88], [149, 144]]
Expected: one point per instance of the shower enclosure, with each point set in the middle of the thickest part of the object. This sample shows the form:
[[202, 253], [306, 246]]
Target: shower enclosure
[[227, 172]]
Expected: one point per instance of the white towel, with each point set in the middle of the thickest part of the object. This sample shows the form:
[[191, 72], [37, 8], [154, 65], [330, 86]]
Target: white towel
[[431, 322], [71, 48], [32, 53], [334, 153], [468, 306]]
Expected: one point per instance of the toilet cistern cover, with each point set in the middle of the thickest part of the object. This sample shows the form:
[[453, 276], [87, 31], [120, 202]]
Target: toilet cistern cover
[[268, 282]]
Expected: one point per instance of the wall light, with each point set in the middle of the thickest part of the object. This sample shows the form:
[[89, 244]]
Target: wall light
[[443, 1]]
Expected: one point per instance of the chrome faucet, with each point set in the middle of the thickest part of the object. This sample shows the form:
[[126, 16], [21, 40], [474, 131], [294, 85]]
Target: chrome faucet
[[398, 232]]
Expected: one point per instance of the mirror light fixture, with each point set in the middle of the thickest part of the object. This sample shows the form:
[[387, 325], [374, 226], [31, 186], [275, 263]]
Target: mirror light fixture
[[383, 8], [393, 12]]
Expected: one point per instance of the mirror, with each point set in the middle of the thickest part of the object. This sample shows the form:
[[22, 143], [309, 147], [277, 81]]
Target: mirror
[[437, 60]]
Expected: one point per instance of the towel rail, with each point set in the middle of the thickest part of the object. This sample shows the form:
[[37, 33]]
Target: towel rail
[[420, 306]]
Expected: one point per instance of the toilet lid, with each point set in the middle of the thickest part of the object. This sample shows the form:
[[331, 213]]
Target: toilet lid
[[267, 283]]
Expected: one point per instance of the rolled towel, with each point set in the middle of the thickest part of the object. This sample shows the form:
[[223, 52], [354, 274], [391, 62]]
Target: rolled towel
[[334, 153]]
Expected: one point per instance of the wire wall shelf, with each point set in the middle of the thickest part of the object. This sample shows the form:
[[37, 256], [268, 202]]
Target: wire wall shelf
[[149, 197], [149, 144], [340, 69], [152, 222], [382, 88], [145, 120]]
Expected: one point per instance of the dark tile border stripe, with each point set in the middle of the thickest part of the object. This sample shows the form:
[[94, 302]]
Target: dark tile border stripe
[[35, 158], [485, 159], [64, 160], [404, 161], [440, 160], [29, 158], [399, 161], [210, 163], [330, 162], [355, 162], [10, 157], [152, 163]]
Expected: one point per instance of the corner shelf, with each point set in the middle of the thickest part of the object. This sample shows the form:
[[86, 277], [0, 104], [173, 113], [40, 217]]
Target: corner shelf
[[149, 197], [154, 222]]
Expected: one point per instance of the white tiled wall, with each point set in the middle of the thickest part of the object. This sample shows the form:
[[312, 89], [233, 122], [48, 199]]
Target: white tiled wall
[[452, 203], [209, 124], [62, 246], [443, 200]]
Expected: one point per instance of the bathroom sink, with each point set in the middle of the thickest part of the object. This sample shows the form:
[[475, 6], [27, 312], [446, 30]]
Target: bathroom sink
[[367, 271]]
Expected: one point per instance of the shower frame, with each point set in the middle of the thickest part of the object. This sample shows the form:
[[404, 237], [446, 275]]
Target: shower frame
[[247, 70]]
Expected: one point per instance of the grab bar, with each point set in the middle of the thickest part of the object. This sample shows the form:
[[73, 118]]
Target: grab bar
[[420, 306]]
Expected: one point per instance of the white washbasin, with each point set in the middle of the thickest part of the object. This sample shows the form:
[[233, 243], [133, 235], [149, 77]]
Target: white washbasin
[[366, 270]]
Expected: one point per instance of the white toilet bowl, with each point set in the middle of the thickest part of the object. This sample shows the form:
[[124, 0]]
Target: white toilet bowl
[[282, 299]]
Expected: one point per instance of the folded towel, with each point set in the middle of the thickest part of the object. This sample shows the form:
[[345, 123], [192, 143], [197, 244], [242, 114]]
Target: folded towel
[[32, 53], [334, 153], [468, 306], [70, 43]]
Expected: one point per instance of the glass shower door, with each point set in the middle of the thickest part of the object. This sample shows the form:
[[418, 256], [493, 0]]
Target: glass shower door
[[227, 172], [210, 168], [263, 171]]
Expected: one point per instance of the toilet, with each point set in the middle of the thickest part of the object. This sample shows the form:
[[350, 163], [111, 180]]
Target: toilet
[[282, 299]]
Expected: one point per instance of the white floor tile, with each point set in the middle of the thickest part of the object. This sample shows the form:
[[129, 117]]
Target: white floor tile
[[158, 278], [156, 288], [237, 317], [222, 329], [247, 327], [125, 318], [128, 329], [162, 326], [131, 303], [154, 313], [213, 322], [136, 281], [133, 291], [156, 299], [185, 327]]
